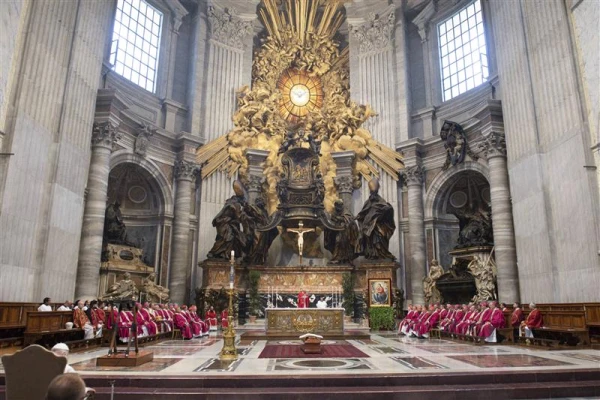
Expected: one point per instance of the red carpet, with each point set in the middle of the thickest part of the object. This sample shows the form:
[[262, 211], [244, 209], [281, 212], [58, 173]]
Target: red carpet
[[328, 351]]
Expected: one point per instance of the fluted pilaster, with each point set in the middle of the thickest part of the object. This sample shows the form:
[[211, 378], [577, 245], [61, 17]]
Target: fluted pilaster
[[104, 136]]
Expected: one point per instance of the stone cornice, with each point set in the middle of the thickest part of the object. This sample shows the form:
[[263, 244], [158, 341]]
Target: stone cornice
[[422, 20]]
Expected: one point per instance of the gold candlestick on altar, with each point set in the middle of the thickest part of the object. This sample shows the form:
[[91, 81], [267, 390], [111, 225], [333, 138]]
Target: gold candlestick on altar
[[229, 352]]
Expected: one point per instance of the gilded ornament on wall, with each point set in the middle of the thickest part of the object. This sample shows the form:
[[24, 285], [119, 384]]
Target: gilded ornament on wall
[[300, 76]]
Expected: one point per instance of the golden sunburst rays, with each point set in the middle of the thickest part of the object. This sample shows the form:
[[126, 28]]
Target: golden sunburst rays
[[300, 94], [302, 18]]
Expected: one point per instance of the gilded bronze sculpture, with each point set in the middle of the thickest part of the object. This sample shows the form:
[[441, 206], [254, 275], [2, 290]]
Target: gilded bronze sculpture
[[376, 221], [259, 241], [115, 231], [341, 243], [230, 235]]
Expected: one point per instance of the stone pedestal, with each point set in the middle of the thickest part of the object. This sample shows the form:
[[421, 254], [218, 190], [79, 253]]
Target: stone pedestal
[[104, 135]]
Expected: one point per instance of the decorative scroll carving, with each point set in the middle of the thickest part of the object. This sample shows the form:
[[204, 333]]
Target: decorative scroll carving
[[227, 28], [105, 134], [376, 33], [345, 184], [455, 143], [186, 170], [493, 145], [413, 175], [142, 141]]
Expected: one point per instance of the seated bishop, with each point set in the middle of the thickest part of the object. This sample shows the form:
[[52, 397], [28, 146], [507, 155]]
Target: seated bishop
[[211, 318]]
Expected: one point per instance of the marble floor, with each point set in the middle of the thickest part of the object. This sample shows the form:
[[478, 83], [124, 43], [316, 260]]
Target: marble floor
[[384, 353]]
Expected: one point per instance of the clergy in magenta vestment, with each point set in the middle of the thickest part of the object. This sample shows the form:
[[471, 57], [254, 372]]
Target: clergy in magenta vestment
[[495, 321], [145, 319], [125, 323], [463, 326], [81, 321], [302, 299], [420, 318], [422, 329], [458, 316], [182, 324], [194, 326], [211, 318], [534, 320], [196, 318], [224, 319], [516, 317], [402, 327], [483, 318]]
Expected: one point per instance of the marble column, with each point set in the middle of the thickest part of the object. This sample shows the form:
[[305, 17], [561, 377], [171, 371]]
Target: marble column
[[185, 174], [256, 176], [413, 178], [502, 219], [104, 135]]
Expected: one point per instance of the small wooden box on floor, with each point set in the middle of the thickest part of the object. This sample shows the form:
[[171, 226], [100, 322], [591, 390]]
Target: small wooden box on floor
[[311, 346], [119, 360]]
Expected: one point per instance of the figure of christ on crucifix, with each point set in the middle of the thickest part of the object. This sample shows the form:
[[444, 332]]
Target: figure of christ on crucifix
[[300, 232]]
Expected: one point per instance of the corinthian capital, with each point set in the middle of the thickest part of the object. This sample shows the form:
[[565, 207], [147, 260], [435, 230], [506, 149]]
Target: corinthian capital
[[227, 28], [493, 145], [376, 33], [345, 184], [186, 170], [254, 183], [413, 176], [105, 134]]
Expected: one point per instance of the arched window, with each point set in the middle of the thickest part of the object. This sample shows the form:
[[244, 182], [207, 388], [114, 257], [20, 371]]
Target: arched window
[[463, 51], [136, 41]]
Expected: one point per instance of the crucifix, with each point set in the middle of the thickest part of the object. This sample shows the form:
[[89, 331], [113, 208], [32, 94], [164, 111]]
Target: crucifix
[[300, 232]]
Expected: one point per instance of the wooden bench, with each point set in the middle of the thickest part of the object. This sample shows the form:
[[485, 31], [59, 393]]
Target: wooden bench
[[47, 328], [564, 324]]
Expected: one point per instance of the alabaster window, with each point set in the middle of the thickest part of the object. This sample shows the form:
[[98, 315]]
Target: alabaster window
[[135, 42], [463, 51]]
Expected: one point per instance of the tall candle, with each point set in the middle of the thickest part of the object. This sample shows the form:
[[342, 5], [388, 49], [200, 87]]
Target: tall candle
[[231, 271]]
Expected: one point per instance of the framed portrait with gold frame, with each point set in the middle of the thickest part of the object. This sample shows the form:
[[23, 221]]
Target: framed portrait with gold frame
[[380, 292]]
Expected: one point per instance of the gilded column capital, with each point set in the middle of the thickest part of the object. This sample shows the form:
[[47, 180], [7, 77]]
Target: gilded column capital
[[227, 28], [493, 145], [345, 184], [376, 33], [105, 134], [186, 170], [413, 176]]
